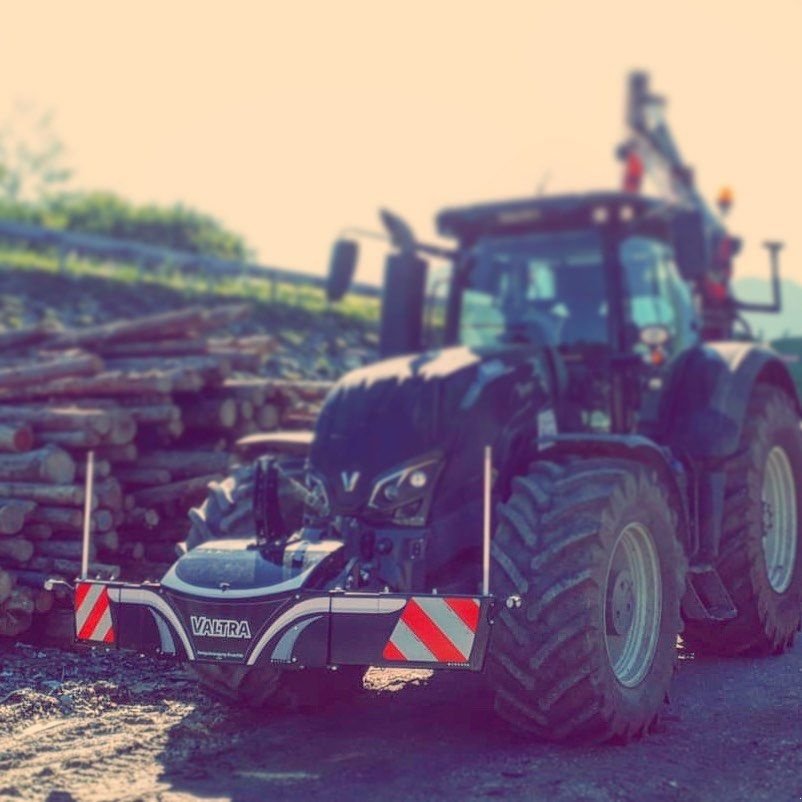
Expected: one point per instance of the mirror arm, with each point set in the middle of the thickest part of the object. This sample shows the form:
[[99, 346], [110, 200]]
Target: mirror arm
[[421, 247]]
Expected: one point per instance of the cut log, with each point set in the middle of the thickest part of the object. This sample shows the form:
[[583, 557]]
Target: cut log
[[179, 347], [241, 360], [30, 579], [183, 464], [151, 362], [15, 438], [298, 419], [34, 372], [183, 491], [123, 428], [212, 367], [37, 531], [306, 390], [69, 495], [210, 414], [162, 435], [144, 476], [253, 390], [102, 469], [13, 514], [267, 417], [151, 327], [162, 413], [6, 584], [102, 384], [66, 518], [107, 541], [244, 411], [142, 517], [257, 343], [59, 517], [186, 381], [222, 316], [69, 549], [48, 464], [62, 418], [131, 551], [109, 494], [81, 438], [118, 454], [18, 338], [16, 549]]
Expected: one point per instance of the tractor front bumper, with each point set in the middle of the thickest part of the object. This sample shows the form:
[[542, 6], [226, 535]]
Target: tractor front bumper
[[296, 629]]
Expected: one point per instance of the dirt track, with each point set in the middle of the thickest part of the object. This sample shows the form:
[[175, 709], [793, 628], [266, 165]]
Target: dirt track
[[113, 727]]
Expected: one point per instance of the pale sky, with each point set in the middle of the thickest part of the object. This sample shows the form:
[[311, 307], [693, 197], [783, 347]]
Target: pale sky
[[289, 121]]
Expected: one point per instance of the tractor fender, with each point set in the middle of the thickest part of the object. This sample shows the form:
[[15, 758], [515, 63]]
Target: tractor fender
[[704, 403], [632, 447]]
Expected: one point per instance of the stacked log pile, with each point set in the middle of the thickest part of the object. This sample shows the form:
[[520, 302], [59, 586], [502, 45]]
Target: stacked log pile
[[161, 403]]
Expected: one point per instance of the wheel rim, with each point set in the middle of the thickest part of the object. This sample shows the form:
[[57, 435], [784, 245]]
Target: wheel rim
[[779, 519], [633, 605]]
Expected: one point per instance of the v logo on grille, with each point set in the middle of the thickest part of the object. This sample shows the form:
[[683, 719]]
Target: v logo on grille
[[349, 480]]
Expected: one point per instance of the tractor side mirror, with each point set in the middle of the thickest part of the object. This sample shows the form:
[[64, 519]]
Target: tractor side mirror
[[691, 244], [344, 256]]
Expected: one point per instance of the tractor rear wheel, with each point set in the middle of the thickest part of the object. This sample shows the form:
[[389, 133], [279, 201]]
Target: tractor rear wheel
[[589, 573], [760, 554]]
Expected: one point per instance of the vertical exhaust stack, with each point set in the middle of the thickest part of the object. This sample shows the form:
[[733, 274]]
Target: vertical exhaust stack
[[402, 305]]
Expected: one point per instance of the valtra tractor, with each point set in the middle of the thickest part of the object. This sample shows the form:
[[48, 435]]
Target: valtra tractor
[[575, 455]]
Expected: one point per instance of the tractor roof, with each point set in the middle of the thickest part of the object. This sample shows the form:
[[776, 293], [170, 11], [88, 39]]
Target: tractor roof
[[544, 214]]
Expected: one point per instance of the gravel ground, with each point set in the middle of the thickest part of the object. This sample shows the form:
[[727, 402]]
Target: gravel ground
[[110, 726]]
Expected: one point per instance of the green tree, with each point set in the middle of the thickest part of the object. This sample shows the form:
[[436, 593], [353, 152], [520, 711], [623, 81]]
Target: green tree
[[31, 156]]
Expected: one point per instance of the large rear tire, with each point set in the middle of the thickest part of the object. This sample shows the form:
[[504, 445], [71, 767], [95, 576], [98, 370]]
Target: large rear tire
[[589, 573], [760, 554]]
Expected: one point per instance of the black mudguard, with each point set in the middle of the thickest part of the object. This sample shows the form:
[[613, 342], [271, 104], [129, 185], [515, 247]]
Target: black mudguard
[[702, 409]]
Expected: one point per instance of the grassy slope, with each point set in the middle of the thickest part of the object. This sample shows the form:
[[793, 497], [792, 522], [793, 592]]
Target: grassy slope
[[33, 290]]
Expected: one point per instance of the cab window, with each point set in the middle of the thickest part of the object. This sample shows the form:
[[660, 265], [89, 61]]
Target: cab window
[[656, 295]]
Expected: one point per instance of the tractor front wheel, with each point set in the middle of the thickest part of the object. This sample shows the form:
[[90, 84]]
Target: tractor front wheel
[[589, 574], [269, 686]]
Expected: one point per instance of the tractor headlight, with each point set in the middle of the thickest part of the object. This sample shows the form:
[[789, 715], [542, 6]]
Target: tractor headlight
[[405, 494]]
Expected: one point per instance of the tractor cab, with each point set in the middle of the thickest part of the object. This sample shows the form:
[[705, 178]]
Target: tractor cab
[[592, 278], [591, 281]]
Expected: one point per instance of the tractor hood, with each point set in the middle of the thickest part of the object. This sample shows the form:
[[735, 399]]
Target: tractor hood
[[430, 410]]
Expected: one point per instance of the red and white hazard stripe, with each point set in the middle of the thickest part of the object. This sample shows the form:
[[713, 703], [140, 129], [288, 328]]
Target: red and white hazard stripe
[[434, 629], [93, 613]]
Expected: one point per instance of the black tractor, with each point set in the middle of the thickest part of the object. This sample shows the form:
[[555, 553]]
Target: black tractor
[[571, 457]]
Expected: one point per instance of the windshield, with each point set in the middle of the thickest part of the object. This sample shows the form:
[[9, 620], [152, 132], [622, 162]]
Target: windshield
[[544, 288]]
